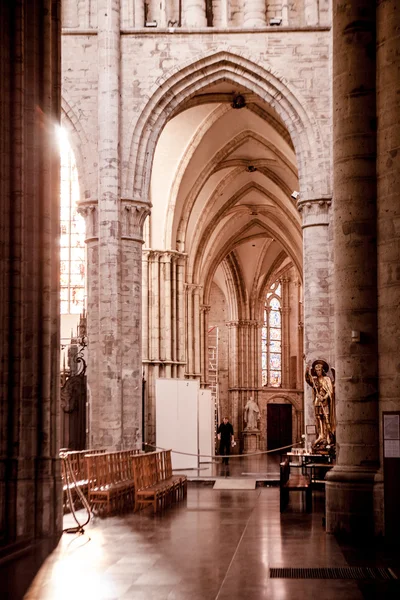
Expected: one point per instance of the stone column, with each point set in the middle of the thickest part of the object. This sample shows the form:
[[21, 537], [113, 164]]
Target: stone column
[[180, 316], [232, 408], [254, 13], [311, 16], [350, 485], [205, 311], [286, 333], [139, 14], [220, 13], [285, 13], [254, 355], [106, 432], [166, 311], [89, 210], [30, 482], [388, 173], [196, 330], [300, 337], [189, 330], [194, 13], [174, 322], [318, 337], [133, 216], [145, 305]]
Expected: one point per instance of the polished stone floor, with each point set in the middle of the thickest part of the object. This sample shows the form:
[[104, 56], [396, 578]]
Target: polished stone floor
[[263, 467], [216, 545]]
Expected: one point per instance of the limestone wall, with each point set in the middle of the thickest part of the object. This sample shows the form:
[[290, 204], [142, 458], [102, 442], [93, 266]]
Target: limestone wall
[[198, 13], [300, 58]]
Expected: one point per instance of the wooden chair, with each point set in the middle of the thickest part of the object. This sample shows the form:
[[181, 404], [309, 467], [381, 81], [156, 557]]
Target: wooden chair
[[293, 483]]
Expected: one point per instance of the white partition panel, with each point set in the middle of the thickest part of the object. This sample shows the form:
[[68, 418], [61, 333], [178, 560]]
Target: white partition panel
[[176, 420], [206, 428]]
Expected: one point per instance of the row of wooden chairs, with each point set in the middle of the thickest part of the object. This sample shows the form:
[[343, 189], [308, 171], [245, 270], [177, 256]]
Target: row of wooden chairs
[[74, 473], [154, 482], [110, 481]]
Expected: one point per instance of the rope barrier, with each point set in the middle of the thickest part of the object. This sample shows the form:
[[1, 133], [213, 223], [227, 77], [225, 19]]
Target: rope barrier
[[221, 455], [68, 476]]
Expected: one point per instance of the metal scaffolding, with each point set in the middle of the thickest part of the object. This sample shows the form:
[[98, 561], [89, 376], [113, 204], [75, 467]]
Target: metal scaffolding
[[213, 372]]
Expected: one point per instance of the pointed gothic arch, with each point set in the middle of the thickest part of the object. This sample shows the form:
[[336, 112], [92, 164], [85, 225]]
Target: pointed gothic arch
[[180, 84]]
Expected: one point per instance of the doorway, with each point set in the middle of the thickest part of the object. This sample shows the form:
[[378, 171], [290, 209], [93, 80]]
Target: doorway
[[279, 425]]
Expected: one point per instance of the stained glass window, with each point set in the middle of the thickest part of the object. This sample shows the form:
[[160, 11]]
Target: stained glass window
[[72, 235], [271, 338]]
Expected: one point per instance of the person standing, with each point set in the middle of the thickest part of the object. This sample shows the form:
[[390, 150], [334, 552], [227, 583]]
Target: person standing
[[226, 438]]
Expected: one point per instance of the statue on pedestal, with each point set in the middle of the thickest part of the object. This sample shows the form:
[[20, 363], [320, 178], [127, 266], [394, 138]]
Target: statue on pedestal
[[324, 404], [251, 414]]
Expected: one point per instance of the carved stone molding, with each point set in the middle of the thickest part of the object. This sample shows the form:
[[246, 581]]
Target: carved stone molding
[[89, 211], [315, 211], [133, 216], [165, 255], [243, 323]]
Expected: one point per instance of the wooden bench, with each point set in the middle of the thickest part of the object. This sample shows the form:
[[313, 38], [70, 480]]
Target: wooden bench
[[155, 484], [290, 482], [110, 481], [74, 473]]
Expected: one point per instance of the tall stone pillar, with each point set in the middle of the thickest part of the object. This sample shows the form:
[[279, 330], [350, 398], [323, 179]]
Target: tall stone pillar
[[233, 373], [180, 315], [89, 210], [194, 13], [30, 482], [134, 214], [388, 173], [318, 337], [350, 485], [107, 421], [285, 333], [205, 311], [300, 336], [254, 13]]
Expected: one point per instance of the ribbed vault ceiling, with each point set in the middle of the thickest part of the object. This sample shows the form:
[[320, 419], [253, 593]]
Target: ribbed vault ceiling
[[221, 189]]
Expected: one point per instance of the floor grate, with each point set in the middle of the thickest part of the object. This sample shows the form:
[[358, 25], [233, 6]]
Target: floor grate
[[371, 573]]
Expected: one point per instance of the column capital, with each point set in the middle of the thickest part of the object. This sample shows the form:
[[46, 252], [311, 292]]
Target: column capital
[[193, 287], [315, 211], [133, 216], [88, 209], [205, 308]]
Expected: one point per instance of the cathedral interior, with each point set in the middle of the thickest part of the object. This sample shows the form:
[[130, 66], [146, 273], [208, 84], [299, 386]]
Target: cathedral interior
[[201, 194]]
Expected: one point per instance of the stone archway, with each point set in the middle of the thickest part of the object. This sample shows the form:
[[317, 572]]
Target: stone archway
[[175, 89]]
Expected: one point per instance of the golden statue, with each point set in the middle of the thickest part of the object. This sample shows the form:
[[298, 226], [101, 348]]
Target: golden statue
[[324, 404]]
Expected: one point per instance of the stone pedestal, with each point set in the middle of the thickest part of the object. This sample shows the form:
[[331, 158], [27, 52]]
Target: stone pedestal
[[251, 441]]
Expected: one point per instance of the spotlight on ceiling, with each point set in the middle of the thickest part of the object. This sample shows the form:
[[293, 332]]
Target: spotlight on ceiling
[[238, 101], [295, 195]]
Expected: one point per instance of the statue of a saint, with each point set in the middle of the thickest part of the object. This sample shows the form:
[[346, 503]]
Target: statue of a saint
[[251, 414], [324, 403]]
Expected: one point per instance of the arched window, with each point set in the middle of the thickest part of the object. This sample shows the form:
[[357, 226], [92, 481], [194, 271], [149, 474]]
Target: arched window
[[271, 338], [72, 235]]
